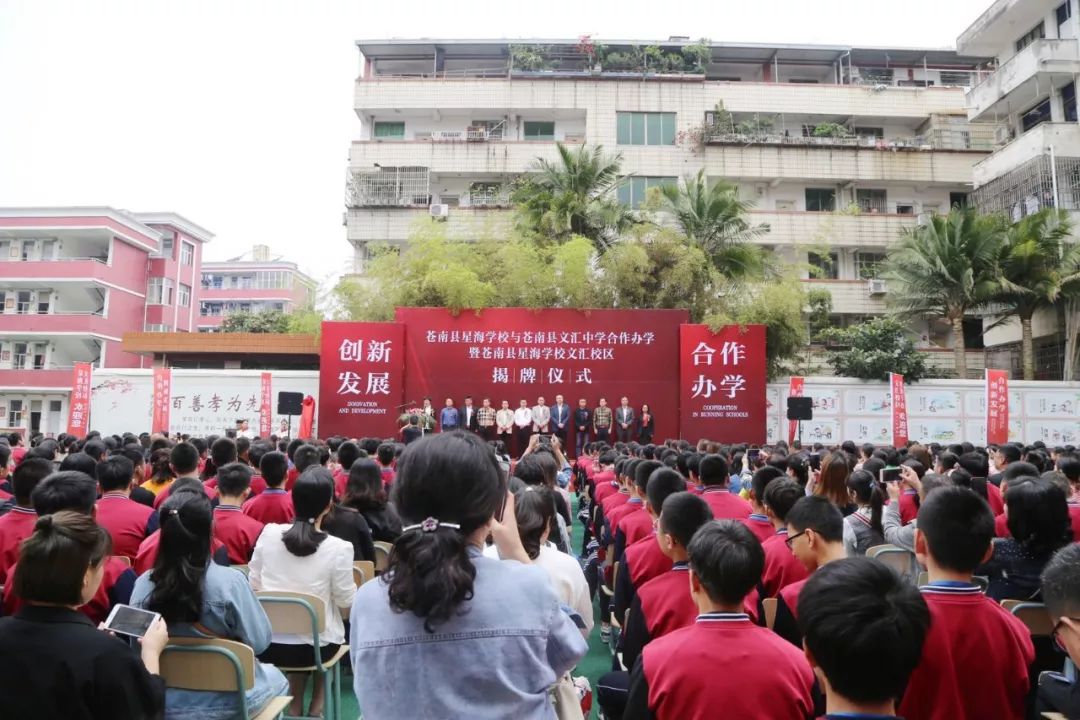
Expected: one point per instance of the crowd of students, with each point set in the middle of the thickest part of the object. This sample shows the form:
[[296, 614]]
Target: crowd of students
[[732, 581]]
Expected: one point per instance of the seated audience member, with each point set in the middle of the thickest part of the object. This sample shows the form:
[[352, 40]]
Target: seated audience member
[[348, 453], [365, 494], [781, 567], [442, 601], [759, 522], [863, 632], [54, 663], [135, 455], [816, 537], [239, 532], [6, 492], [127, 522], [272, 505], [715, 477], [1069, 466], [1061, 593], [971, 638], [347, 524], [184, 461], [632, 513], [18, 524], [148, 549], [303, 557], [161, 473], [198, 598], [1038, 521], [676, 675], [303, 457], [896, 533], [868, 493], [223, 451], [832, 481], [385, 456]]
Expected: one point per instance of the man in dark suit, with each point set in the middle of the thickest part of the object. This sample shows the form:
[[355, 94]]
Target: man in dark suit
[[560, 419], [624, 421], [468, 416], [582, 422]]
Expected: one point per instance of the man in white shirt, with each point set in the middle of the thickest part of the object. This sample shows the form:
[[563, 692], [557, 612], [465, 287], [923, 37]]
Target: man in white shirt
[[541, 416], [244, 430], [523, 421]]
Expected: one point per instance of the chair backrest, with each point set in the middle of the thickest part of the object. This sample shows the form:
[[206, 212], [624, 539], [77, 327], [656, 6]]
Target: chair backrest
[[363, 570], [897, 558], [770, 612], [924, 578], [293, 612], [1033, 615], [208, 664], [382, 555]]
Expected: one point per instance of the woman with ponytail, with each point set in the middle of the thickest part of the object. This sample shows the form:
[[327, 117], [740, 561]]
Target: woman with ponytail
[[303, 557], [447, 632], [199, 598], [868, 493]]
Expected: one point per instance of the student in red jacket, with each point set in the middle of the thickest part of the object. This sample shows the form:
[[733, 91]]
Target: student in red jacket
[[758, 522], [685, 674], [632, 513], [274, 504], [348, 453], [781, 567], [18, 523], [127, 522], [236, 530], [975, 661], [864, 632], [724, 503]]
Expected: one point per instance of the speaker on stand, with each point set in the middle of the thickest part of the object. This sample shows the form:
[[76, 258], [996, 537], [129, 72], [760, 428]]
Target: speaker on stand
[[290, 403], [799, 409]]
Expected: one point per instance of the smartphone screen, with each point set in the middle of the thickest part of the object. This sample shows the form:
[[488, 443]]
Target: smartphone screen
[[754, 453], [890, 474], [128, 620]]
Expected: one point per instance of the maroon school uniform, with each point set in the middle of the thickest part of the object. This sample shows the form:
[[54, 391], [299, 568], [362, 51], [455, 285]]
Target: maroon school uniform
[[272, 505], [726, 505], [604, 484], [611, 502], [1074, 519], [290, 478], [127, 521], [238, 531], [257, 484], [673, 679], [644, 560], [148, 552], [617, 514], [993, 496], [15, 526], [117, 582], [908, 509], [162, 496], [5, 495], [974, 662], [781, 569], [341, 479], [388, 475], [760, 526], [666, 602], [636, 525], [695, 489]]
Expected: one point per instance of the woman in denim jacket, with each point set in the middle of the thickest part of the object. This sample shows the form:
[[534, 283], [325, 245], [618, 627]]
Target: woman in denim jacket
[[447, 632], [199, 598]]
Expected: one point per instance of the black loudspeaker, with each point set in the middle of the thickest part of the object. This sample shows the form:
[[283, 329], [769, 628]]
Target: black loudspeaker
[[290, 403], [800, 408]]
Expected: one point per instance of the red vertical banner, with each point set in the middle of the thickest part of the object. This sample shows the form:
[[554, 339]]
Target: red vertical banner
[[723, 377], [266, 417], [361, 378], [997, 407], [899, 410], [795, 389], [79, 406], [159, 421]]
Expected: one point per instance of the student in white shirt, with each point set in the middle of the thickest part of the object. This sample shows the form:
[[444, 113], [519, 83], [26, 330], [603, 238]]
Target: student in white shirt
[[523, 419], [302, 558]]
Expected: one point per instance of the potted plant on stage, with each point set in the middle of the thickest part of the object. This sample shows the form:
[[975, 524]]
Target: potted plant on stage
[[424, 422]]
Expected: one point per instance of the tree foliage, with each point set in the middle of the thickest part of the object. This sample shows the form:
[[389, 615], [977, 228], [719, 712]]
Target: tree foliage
[[875, 348], [266, 321], [779, 307]]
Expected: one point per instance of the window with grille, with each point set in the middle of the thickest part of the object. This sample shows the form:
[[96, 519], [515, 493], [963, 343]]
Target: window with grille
[[14, 416], [389, 130], [167, 243], [871, 201], [1036, 33], [187, 253], [639, 128], [824, 267], [869, 264], [183, 295], [1036, 115], [820, 199], [633, 190], [539, 130]]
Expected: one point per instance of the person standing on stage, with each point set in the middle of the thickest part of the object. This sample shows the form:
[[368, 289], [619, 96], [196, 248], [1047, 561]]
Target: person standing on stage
[[582, 421], [602, 421], [560, 419], [449, 418], [646, 425], [468, 416], [427, 411], [624, 419], [504, 424], [485, 420], [523, 422], [541, 417]]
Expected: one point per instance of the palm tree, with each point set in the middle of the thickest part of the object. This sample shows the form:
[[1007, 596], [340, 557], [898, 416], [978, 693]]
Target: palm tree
[[1037, 267], [946, 268], [575, 195], [713, 217]]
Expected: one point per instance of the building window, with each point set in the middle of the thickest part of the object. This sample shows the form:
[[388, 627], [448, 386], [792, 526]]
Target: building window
[[159, 291], [29, 356], [1063, 13], [1036, 115], [156, 328], [167, 244], [633, 190], [874, 133], [637, 128], [823, 267], [390, 131], [187, 253], [871, 201], [1068, 102], [869, 264], [1036, 33], [23, 300], [14, 416], [539, 130], [820, 199], [183, 295]]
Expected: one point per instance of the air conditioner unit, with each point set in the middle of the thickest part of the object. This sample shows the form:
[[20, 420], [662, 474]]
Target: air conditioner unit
[[439, 211], [876, 286], [1001, 134], [923, 218]]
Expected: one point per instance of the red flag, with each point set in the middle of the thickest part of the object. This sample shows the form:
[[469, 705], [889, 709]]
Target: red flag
[[899, 411], [79, 409], [266, 419], [159, 422], [795, 389], [307, 418], [997, 407]]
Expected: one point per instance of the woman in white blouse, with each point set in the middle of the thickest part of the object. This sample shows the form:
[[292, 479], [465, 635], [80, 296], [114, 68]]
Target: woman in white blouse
[[302, 558]]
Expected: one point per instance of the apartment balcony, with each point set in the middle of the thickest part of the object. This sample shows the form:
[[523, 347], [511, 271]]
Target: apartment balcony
[[852, 296], [1063, 137], [1020, 80], [394, 225], [252, 294], [865, 230], [50, 378], [63, 269], [88, 323]]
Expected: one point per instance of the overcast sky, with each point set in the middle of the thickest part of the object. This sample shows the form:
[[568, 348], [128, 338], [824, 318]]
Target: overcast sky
[[238, 114]]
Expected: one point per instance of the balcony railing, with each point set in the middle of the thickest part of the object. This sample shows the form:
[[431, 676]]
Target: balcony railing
[[937, 139], [103, 261]]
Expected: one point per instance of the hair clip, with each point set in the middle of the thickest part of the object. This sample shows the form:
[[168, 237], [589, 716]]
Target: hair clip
[[431, 525]]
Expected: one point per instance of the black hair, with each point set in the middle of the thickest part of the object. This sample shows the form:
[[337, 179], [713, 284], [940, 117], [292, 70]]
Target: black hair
[[243, 445], [183, 556], [530, 470], [534, 510], [869, 490], [948, 460], [761, 479], [256, 453], [817, 513], [115, 473], [65, 490], [1061, 582], [305, 456], [662, 483], [1069, 465], [26, 477], [5, 454], [1010, 452], [293, 446], [364, 489], [385, 453], [233, 479], [682, 514], [80, 462], [184, 458], [727, 559], [347, 454], [780, 495], [1018, 469], [1038, 516], [53, 561], [223, 452], [800, 465], [975, 463], [274, 468], [96, 449], [713, 470], [455, 478], [643, 472], [958, 526], [312, 493], [864, 626]]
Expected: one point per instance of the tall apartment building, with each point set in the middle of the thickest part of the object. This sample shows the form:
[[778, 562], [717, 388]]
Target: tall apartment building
[[252, 282], [448, 124], [73, 280], [1031, 93]]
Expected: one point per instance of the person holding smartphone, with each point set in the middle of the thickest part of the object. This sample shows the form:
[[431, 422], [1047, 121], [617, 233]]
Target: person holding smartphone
[[53, 662]]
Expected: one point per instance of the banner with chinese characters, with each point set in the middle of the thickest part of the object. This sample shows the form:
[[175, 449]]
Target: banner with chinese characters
[[360, 379], [997, 407], [795, 389], [899, 411], [516, 354], [723, 379], [266, 408], [79, 407], [159, 418]]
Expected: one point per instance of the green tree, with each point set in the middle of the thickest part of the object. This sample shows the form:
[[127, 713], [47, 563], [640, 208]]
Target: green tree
[[266, 321], [946, 268], [656, 269], [779, 306], [875, 348], [1037, 267]]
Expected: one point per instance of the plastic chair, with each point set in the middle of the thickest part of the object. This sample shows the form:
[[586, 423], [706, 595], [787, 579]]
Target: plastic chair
[[1033, 615], [610, 592], [770, 612], [382, 556], [216, 666], [363, 570], [899, 559], [305, 614]]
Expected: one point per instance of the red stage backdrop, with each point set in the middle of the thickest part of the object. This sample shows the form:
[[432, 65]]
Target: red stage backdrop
[[723, 383], [997, 407], [360, 379], [516, 353], [899, 411]]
